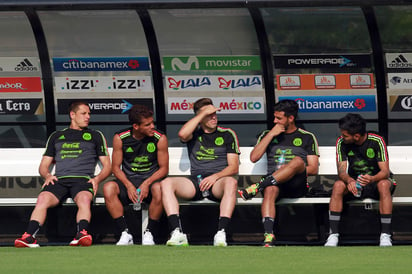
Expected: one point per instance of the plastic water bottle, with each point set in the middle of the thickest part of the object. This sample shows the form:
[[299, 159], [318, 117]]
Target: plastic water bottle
[[359, 189], [138, 205], [281, 160], [205, 193]]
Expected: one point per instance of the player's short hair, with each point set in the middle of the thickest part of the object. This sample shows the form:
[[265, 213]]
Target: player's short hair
[[201, 103], [74, 105], [353, 123], [139, 112], [290, 107]]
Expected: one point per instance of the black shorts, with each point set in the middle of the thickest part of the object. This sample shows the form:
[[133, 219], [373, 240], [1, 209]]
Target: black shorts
[[124, 198], [69, 187], [198, 195], [294, 188], [370, 191]]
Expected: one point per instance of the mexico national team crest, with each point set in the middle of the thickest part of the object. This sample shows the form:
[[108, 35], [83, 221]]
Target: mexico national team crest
[[151, 147], [219, 141], [297, 142], [87, 136], [370, 153]]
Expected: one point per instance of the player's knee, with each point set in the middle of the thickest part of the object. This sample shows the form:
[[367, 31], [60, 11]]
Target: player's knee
[[109, 189]]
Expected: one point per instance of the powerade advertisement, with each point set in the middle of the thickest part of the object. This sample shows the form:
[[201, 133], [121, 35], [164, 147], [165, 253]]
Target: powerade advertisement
[[350, 103], [101, 64]]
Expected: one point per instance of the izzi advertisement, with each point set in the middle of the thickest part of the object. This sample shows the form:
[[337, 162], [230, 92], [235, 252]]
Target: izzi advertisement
[[194, 63]]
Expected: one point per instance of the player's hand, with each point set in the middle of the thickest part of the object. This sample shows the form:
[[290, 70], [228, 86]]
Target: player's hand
[[208, 182], [209, 109], [364, 179], [50, 179], [277, 129], [352, 187], [144, 191], [95, 184], [131, 193]]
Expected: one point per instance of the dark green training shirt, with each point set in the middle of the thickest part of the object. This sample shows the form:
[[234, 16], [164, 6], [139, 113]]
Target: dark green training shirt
[[76, 152]]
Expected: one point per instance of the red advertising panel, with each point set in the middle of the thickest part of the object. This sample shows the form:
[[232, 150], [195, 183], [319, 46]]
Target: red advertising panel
[[20, 84]]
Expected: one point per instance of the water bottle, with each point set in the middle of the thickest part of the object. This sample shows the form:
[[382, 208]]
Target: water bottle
[[281, 160], [205, 193], [359, 189], [138, 205]]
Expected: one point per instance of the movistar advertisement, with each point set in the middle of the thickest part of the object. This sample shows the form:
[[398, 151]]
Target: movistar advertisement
[[340, 103], [195, 63], [106, 106]]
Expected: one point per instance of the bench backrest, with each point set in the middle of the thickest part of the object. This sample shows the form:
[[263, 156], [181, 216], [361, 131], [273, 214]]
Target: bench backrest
[[16, 162]]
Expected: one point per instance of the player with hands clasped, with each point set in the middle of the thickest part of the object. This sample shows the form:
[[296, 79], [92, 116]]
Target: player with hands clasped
[[140, 159], [363, 165]]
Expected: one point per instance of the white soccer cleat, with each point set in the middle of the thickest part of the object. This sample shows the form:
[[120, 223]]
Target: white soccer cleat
[[332, 240], [385, 240], [147, 238], [220, 238], [125, 239], [177, 238]]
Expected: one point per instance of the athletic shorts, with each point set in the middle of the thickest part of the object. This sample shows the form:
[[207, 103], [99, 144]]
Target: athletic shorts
[[294, 188], [124, 198], [370, 191], [69, 187], [198, 195]]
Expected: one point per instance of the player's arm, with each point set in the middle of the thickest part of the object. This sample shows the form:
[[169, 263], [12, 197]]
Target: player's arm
[[186, 132], [383, 174], [313, 165], [345, 177], [261, 146], [231, 170], [163, 161], [44, 170]]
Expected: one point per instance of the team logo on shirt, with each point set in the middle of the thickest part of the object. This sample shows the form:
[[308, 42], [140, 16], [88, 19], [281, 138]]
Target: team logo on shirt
[[297, 142], [87, 136], [151, 147], [370, 153], [219, 141]]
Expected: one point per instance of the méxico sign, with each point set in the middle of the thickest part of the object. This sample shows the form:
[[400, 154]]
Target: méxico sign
[[193, 63]]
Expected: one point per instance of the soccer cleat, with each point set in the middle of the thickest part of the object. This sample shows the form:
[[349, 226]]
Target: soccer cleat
[[147, 238], [385, 240], [125, 239], [249, 192], [269, 238], [332, 240], [177, 238], [220, 238], [82, 239], [26, 241]]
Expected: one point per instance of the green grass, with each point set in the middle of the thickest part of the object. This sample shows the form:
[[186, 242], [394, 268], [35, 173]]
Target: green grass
[[206, 259]]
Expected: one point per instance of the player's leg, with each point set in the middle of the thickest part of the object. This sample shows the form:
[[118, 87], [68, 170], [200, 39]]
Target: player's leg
[[335, 211], [268, 210], [155, 213], [224, 190], [385, 208], [172, 189]]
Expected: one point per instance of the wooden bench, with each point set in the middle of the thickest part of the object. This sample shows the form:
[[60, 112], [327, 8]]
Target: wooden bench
[[21, 162]]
